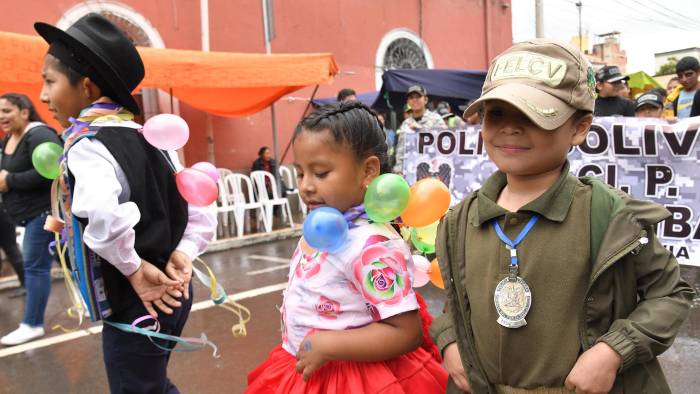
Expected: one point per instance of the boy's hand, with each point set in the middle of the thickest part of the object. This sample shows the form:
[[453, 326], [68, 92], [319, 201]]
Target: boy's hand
[[179, 267], [594, 371], [151, 284], [453, 365], [311, 355]]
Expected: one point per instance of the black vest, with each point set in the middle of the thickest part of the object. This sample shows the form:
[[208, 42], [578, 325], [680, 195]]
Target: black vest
[[154, 191]]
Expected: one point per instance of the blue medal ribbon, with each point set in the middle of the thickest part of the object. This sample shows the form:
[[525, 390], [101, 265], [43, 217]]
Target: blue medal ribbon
[[514, 243]]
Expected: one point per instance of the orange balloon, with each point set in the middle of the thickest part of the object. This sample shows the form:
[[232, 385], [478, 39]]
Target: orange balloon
[[435, 275], [429, 201]]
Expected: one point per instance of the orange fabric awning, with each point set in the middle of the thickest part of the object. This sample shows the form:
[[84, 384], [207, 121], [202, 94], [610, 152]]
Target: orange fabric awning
[[225, 84]]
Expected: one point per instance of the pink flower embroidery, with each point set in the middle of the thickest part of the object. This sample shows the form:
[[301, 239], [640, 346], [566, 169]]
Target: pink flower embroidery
[[382, 274], [310, 264], [327, 308]]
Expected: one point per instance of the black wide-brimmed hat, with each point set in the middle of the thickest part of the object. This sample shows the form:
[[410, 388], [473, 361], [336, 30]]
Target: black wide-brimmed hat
[[97, 49]]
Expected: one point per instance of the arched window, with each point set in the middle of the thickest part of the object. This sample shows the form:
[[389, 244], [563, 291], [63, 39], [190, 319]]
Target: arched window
[[401, 49]]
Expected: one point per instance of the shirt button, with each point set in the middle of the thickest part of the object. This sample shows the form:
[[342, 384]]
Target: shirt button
[[513, 221]]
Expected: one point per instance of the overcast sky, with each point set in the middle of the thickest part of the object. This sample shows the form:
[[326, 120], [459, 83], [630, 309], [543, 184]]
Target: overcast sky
[[646, 26]]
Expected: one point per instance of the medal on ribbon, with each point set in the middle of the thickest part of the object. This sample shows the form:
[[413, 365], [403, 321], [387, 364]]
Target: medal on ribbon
[[513, 297]]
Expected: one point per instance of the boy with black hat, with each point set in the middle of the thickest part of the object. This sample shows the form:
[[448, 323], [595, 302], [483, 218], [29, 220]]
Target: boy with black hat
[[421, 119], [609, 83], [687, 70], [649, 105], [556, 284], [120, 198]]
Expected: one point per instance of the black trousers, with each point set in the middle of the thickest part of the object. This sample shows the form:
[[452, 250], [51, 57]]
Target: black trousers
[[133, 363], [8, 243]]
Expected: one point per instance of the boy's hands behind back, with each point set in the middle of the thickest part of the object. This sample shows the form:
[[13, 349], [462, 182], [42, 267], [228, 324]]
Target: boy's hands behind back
[[151, 285]]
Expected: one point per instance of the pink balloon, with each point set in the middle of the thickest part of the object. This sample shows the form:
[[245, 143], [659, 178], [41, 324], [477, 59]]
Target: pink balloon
[[208, 169], [166, 131], [421, 265], [196, 187]]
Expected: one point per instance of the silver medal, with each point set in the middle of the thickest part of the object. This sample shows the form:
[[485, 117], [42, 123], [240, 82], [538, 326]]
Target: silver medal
[[513, 300]]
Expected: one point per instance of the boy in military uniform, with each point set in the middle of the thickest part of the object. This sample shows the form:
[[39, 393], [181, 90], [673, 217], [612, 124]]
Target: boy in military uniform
[[556, 284]]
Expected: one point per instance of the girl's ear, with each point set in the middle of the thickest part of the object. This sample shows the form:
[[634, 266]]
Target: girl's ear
[[581, 128], [371, 169]]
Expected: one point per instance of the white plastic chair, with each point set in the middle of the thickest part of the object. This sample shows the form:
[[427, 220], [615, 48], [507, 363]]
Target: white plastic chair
[[235, 184], [224, 206], [290, 179], [260, 178], [224, 172]]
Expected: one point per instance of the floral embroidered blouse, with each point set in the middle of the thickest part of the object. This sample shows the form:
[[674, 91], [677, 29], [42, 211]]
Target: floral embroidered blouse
[[368, 280]]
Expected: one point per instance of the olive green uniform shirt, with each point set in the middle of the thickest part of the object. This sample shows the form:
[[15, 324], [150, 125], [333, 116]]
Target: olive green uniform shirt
[[554, 260]]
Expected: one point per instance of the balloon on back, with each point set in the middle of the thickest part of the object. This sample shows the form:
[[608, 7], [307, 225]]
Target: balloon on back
[[208, 169], [45, 159], [430, 199], [196, 187], [325, 229], [386, 197], [166, 131]]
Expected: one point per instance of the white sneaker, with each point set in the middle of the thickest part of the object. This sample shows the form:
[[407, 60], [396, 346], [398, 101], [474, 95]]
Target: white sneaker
[[23, 334]]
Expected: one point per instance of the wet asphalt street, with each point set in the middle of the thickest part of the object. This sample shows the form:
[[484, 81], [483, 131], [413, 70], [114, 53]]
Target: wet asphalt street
[[72, 362]]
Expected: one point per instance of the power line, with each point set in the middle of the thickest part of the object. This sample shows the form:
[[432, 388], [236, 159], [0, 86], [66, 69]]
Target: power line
[[675, 14]]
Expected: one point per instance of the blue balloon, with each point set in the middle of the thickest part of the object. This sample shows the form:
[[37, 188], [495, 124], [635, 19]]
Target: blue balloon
[[325, 229]]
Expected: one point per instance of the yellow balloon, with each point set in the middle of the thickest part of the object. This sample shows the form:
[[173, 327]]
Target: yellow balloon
[[428, 233]]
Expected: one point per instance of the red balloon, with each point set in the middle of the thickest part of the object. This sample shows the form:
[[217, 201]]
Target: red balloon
[[196, 187]]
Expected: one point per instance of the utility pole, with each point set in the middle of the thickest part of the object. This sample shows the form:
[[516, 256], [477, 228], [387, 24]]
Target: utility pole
[[580, 39], [539, 19]]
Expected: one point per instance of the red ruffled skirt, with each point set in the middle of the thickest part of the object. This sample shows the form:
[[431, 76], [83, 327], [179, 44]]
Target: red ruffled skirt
[[415, 372]]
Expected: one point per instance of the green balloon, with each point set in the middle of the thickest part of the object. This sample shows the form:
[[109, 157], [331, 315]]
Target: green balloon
[[45, 159], [421, 245], [386, 198]]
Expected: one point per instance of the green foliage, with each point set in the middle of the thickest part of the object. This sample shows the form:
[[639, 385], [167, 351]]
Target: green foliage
[[668, 68]]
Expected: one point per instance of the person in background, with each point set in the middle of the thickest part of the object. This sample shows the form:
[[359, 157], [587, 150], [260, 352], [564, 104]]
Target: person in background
[[26, 197], [625, 91], [346, 94], [265, 162], [649, 105], [390, 139], [673, 89], [445, 111], [406, 112], [687, 71], [671, 85], [8, 243], [421, 119], [610, 86]]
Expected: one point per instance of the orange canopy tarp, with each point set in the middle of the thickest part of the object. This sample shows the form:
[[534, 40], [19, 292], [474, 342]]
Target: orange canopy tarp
[[225, 84]]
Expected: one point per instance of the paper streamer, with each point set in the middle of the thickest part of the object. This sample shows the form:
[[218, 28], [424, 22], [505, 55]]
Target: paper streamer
[[182, 344], [219, 297]]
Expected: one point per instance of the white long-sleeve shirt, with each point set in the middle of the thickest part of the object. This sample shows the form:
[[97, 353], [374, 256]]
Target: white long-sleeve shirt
[[101, 194]]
